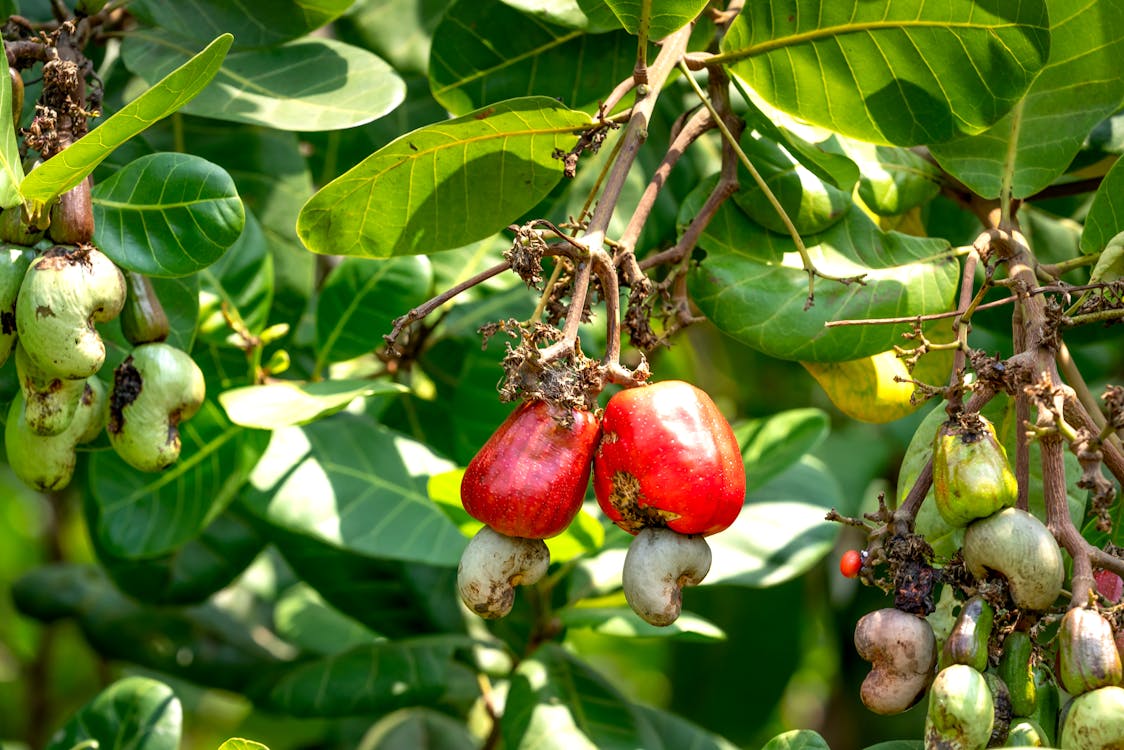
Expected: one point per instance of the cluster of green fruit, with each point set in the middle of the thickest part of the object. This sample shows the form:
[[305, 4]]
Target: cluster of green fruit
[[55, 286], [992, 686], [666, 468]]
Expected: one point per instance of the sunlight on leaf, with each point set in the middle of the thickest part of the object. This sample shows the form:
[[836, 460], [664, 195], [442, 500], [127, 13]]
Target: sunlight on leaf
[[282, 404], [622, 622]]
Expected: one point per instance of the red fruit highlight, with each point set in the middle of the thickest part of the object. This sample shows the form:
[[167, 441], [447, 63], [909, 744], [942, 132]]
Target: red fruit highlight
[[530, 478]]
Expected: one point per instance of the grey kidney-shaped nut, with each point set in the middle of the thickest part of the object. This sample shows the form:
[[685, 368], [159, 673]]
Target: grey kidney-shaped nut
[[961, 711], [902, 651], [46, 462], [64, 293], [14, 261], [1020, 547], [50, 402], [1095, 720], [155, 389], [1087, 655], [659, 563], [493, 564]]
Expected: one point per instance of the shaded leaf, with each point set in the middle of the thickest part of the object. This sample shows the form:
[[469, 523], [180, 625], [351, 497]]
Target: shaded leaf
[[303, 618], [283, 404], [781, 531], [134, 713], [444, 185], [11, 167], [1080, 86], [200, 20], [167, 214], [890, 72], [558, 701], [894, 180], [306, 84], [675, 732], [179, 86], [369, 490], [486, 51], [762, 304], [727, 229], [1105, 219], [361, 298], [622, 622], [399, 31], [139, 515], [770, 445], [239, 285], [656, 18], [797, 739], [418, 729]]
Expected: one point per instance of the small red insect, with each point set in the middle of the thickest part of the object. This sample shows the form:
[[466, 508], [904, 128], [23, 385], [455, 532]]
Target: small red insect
[[851, 563]]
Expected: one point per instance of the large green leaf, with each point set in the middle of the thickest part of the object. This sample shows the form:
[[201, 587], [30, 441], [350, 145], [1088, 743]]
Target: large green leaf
[[305, 84], [656, 18], [781, 531], [399, 31], [772, 444], [675, 732], [889, 71], [361, 298], [254, 23], [762, 304], [1105, 219], [1037, 140], [894, 180], [11, 168], [140, 515], [303, 618], [558, 701], [167, 214], [444, 185], [178, 86], [420, 729], [485, 51], [354, 484], [134, 713]]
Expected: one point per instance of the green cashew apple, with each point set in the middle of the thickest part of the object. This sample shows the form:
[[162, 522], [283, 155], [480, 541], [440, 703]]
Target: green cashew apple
[[1087, 653], [961, 711], [64, 293], [1019, 546], [967, 643], [50, 401], [154, 389], [971, 476], [1027, 733], [46, 462], [1095, 720], [14, 260]]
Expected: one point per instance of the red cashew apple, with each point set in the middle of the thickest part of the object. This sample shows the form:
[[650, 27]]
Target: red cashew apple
[[668, 458], [530, 478]]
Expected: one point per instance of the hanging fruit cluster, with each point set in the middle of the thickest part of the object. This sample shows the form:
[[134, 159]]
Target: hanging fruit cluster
[[666, 468]]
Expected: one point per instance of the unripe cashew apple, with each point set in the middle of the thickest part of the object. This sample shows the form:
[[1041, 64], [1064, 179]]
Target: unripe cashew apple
[[1087, 654], [1095, 720], [49, 401], [65, 291], [961, 711], [46, 462], [154, 389], [971, 476], [530, 478], [1018, 545], [14, 260], [668, 457]]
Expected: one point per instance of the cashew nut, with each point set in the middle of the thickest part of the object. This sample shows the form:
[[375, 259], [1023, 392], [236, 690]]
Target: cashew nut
[[64, 293], [902, 650], [1018, 545], [493, 564], [659, 563], [154, 389]]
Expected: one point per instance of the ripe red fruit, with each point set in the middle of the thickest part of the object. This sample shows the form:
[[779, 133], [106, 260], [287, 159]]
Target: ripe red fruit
[[530, 478], [851, 563], [1109, 585], [668, 457]]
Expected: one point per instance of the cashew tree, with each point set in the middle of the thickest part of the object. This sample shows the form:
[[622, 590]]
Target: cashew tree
[[561, 373]]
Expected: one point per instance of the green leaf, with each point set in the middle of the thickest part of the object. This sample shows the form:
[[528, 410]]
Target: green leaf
[[770, 445], [134, 713], [797, 739], [657, 18], [1026, 150], [167, 214], [370, 489], [199, 20], [305, 84], [367, 679], [894, 180], [593, 16], [237, 743], [59, 174], [485, 51], [11, 167], [140, 515], [283, 404], [239, 285], [726, 231], [622, 622], [444, 185], [890, 72], [303, 618], [762, 304], [558, 701], [1105, 219], [676, 733], [361, 298], [399, 31], [781, 532], [419, 729]]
